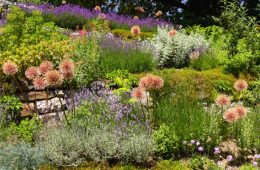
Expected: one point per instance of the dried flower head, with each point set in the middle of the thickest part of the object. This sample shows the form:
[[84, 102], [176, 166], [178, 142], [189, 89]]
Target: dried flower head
[[158, 13], [54, 78], [66, 66], [135, 18], [230, 115], [222, 100], [150, 82], [135, 30], [32, 72], [240, 85], [139, 9], [97, 8], [10, 68], [39, 83], [241, 111], [45, 66], [172, 32]]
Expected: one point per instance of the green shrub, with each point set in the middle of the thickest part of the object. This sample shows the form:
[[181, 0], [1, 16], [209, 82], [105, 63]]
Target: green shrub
[[200, 84], [205, 62], [86, 57], [27, 129], [188, 119], [173, 165], [73, 146], [126, 34], [167, 141], [21, 156], [133, 60], [121, 79], [200, 162], [10, 107], [247, 167]]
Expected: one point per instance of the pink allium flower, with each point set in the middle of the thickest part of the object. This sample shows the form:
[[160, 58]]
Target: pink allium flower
[[222, 100], [241, 111], [138, 93], [10, 68], [158, 13], [54, 78], [139, 9], [32, 72], [150, 82], [39, 83], [229, 158], [97, 8], [240, 85], [172, 32], [135, 18], [135, 30], [66, 66], [45, 66], [230, 115]]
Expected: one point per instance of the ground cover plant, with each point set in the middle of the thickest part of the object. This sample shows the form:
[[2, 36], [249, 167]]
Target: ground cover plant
[[81, 88]]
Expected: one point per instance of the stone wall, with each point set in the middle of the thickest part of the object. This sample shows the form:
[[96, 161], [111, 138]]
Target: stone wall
[[47, 105]]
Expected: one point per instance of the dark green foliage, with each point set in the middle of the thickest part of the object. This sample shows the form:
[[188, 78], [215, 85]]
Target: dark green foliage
[[10, 107]]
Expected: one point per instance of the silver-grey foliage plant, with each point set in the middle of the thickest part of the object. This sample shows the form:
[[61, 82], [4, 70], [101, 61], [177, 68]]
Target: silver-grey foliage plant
[[174, 51]]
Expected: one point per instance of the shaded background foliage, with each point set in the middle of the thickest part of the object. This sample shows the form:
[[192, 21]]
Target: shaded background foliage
[[185, 12]]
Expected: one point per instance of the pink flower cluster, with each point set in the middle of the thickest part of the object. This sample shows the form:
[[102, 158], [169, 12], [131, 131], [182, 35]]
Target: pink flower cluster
[[135, 30], [233, 114], [148, 82], [44, 75]]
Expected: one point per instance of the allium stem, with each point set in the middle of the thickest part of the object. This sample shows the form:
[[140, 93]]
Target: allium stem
[[64, 113], [27, 102]]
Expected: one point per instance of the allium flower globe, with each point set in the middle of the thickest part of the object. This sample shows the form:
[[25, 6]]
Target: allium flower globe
[[158, 13], [240, 85], [45, 66], [172, 32], [150, 82], [10, 68], [135, 30], [135, 18], [102, 16], [200, 149], [241, 111], [194, 55], [54, 78], [97, 8], [222, 100], [138, 93], [68, 75], [66, 66], [39, 83], [230, 115], [32, 72]]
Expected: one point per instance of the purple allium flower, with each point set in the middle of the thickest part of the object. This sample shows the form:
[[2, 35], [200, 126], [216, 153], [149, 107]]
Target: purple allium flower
[[192, 141], [229, 158], [216, 150], [197, 143], [200, 149], [255, 163]]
